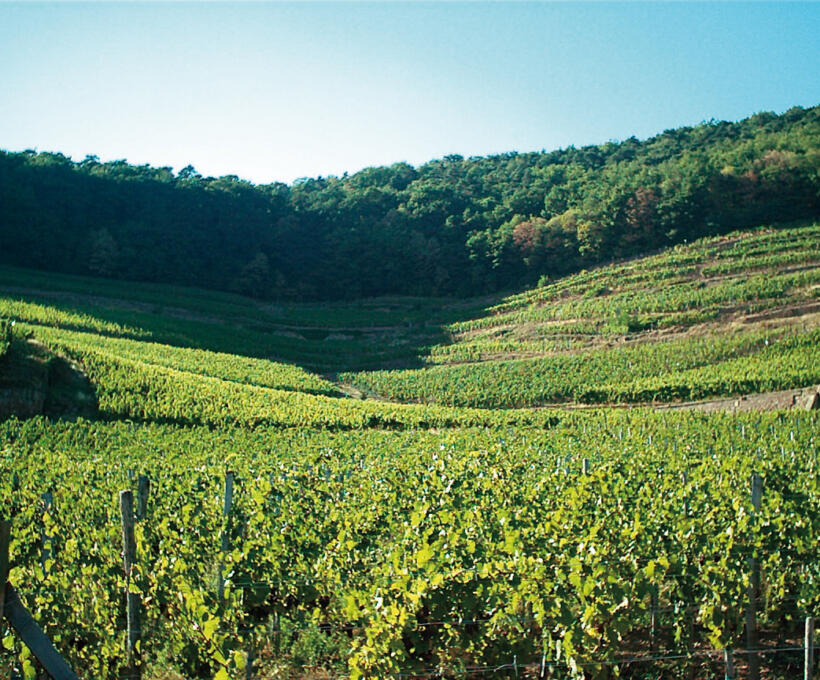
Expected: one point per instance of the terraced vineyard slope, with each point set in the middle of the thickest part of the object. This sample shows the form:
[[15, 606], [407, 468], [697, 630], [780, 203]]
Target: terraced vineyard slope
[[722, 316]]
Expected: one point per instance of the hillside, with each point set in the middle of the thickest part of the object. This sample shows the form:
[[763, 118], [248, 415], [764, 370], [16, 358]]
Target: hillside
[[722, 316], [453, 226], [470, 534]]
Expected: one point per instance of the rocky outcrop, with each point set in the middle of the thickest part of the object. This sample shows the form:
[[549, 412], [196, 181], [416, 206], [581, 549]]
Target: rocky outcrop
[[34, 381]]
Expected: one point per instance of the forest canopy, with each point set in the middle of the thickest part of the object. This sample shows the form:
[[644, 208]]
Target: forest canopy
[[453, 226]]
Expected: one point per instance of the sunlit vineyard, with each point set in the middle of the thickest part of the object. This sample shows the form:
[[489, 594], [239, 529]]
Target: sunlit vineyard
[[324, 337], [711, 281], [230, 367], [752, 269], [466, 535], [677, 370], [161, 384], [371, 553], [720, 317]]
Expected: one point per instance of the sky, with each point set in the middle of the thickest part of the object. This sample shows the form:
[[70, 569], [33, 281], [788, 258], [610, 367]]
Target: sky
[[278, 91]]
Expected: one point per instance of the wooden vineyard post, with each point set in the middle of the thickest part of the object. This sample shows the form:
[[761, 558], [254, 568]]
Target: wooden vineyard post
[[46, 540], [690, 669], [129, 556], [690, 622], [249, 661], [653, 614], [143, 487], [585, 466], [5, 539], [653, 620], [754, 588], [22, 622], [224, 543], [34, 638], [728, 659], [808, 666]]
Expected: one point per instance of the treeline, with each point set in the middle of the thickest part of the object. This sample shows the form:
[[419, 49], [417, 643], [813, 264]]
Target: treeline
[[451, 226]]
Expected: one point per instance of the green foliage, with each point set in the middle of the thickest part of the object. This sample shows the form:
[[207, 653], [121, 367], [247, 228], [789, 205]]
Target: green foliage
[[683, 369], [758, 268], [368, 553], [5, 335], [599, 336], [451, 226], [326, 337], [145, 381], [54, 316], [372, 539], [228, 367]]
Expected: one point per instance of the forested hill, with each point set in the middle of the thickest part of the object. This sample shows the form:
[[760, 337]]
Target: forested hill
[[452, 226]]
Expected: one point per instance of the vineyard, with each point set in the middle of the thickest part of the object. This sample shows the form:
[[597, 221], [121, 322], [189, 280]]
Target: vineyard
[[684, 369], [296, 515], [376, 553], [327, 337], [721, 317]]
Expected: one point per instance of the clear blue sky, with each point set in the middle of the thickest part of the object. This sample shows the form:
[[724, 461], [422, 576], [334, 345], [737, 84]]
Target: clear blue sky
[[276, 91]]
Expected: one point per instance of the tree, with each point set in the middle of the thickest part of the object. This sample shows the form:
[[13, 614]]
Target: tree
[[189, 173], [103, 253], [254, 279]]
